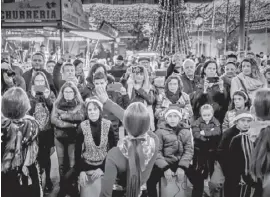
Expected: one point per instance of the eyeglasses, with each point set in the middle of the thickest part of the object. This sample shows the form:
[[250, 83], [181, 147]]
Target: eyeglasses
[[68, 92]]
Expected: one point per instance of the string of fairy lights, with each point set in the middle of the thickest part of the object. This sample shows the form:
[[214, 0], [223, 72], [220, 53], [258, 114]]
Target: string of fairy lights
[[172, 21]]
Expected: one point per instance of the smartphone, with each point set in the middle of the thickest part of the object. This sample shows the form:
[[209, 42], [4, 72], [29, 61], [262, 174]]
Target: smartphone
[[114, 87], [39, 88], [212, 79], [161, 73], [137, 69]]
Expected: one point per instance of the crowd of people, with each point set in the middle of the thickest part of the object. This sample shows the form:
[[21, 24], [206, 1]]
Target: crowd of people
[[183, 119]]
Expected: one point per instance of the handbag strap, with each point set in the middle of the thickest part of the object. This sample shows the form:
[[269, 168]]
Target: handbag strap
[[242, 84]]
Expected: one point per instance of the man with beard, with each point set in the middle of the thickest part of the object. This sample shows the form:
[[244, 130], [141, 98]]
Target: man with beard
[[38, 63]]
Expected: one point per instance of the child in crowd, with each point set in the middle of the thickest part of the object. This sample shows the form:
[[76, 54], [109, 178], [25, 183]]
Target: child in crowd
[[267, 76], [207, 132], [240, 101], [173, 95], [228, 163], [175, 150]]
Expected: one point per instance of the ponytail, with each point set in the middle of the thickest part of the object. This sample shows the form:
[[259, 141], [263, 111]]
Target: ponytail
[[134, 170]]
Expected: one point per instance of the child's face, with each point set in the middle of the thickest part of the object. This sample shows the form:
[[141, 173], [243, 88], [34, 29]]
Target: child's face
[[173, 85], [267, 76], [207, 115], [173, 119], [239, 102], [243, 124], [100, 83]]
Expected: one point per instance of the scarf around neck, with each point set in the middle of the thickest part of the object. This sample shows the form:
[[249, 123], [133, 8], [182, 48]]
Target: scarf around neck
[[145, 145], [251, 84], [67, 105], [173, 97]]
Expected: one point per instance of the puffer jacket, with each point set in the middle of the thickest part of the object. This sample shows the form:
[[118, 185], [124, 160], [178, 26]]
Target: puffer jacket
[[212, 134], [176, 146], [67, 124]]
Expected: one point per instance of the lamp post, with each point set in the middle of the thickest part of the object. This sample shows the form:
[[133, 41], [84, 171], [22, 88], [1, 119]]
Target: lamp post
[[226, 26], [242, 26], [198, 22]]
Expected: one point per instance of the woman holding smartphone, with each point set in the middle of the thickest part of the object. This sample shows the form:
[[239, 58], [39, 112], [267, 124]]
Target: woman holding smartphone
[[211, 92], [41, 100]]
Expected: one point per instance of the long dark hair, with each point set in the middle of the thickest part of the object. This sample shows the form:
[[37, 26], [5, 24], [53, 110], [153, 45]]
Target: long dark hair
[[205, 66], [91, 72], [246, 98]]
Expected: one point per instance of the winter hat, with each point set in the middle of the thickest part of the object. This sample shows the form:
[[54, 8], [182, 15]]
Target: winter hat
[[93, 100], [120, 57], [144, 59], [242, 114], [173, 109]]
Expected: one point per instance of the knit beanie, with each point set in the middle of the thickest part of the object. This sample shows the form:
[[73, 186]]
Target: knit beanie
[[173, 109], [94, 100], [242, 114]]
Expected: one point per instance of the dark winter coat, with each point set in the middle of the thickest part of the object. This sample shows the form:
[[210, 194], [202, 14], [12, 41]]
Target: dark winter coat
[[210, 141], [190, 86], [28, 79], [223, 148], [218, 100], [176, 146], [64, 127], [205, 146], [238, 166]]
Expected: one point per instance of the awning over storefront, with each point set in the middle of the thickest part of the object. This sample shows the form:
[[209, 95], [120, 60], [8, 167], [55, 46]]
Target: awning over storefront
[[93, 35]]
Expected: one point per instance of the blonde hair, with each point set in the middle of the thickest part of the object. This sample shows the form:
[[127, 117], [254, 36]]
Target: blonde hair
[[137, 122], [43, 75], [77, 95], [15, 103], [136, 119], [207, 107], [146, 82]]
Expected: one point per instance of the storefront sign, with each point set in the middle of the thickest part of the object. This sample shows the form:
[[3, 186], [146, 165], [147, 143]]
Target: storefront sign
[[108, 29], [73, 14], [30, 11]]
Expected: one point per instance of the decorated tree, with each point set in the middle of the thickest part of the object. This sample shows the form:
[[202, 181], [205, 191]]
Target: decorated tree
[[170, 34], [140, 41]]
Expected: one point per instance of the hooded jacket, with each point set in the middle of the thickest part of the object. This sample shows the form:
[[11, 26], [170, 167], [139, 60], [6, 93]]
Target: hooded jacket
[[175, 146]]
